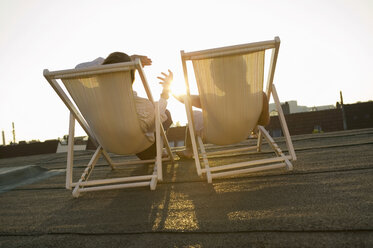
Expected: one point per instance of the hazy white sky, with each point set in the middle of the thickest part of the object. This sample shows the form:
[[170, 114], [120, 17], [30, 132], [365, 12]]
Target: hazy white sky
[[326, 46]]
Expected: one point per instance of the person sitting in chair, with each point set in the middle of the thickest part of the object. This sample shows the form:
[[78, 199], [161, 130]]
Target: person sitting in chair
[[198, 121], [144, 107]]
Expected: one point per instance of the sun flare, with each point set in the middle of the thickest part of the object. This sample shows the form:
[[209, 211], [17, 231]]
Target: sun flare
[[177, 89]]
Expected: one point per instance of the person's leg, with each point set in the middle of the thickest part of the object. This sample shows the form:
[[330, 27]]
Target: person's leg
[[148, 153], [151, 152], [198, 125], [167, 123], [188, 152], [264, 116], [188, 140]]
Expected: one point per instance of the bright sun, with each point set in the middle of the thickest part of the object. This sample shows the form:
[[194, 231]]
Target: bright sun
[[178, 88]]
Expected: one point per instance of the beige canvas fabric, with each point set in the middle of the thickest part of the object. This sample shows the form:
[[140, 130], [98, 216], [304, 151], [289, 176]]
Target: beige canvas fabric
[[107, 104], [231, 96]]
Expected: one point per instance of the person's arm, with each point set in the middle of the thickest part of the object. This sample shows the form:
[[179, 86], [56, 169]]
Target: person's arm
[[195, 99], [145, 61], [166, 84]]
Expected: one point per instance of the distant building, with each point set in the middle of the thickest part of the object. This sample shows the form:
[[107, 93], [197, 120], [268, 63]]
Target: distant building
[[291, 107], [358, 115], [27, 149], [306, 122], [80, 144]]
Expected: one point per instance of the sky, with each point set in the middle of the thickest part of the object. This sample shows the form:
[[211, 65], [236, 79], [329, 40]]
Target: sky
[[326, 47]]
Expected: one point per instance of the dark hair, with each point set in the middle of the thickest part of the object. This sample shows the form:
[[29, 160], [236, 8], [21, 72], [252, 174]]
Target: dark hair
[[119, 57]]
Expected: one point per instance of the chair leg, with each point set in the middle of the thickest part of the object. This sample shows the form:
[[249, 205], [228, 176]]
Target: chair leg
[[153, 181], [167, 145], [205, 160], [259, 141], [276, 148], [158, 162], [70, 152], [108, 159], [191, 133], [284, 126], [87, 172], [158, 159]]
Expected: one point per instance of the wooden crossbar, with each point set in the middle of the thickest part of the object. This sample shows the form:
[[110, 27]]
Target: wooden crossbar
[[115, 180], [117, 186], [227, 50], [254, 169], [247, 163], [91, 71]]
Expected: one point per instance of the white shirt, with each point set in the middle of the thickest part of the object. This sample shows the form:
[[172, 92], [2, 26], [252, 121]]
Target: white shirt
[[146, 114], [144, 107], [94, 62]]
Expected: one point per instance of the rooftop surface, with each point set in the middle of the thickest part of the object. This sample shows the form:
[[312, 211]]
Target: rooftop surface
[[326, 201]]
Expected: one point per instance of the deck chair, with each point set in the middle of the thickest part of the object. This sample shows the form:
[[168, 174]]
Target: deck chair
[[101, 100], [230, 84]]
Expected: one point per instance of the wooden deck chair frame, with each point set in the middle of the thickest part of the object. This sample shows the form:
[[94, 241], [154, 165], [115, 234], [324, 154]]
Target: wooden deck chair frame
[[83, 185], [281, 160]]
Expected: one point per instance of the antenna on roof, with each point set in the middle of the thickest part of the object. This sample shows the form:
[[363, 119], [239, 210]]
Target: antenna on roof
[[14, 133], [343, 112], [3, 137]]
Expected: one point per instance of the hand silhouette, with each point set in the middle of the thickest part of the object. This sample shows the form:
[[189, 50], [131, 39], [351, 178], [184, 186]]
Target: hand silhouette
[[167, 80]]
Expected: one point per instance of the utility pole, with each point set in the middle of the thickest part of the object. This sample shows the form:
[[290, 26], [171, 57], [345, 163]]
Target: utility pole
[[343, 112], [3, 137], [14, 133]]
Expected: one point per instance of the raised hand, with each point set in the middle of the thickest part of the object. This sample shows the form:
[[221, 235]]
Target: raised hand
[[167, 80], [166, 83]]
